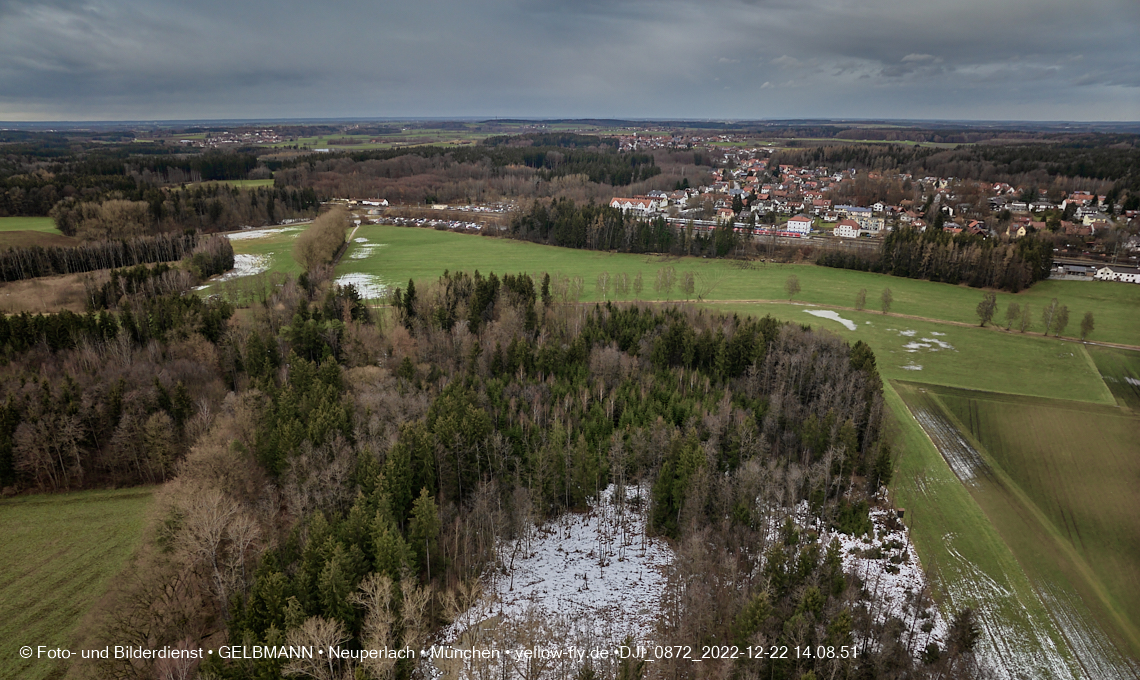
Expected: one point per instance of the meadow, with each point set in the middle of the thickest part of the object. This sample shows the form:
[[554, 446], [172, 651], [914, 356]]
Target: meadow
[[395, 254], [1121, 372], [1053, 479], [23, 232], [60, 552]]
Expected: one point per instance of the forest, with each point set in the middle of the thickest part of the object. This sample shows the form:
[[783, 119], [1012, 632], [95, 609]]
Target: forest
[[209, 256], [954, 258], [334, 473]]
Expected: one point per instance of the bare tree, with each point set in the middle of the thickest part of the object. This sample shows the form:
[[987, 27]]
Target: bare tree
[[320, 633], [792, 286], [987, 307], [1012, 313], [688, 284], [861, 299], [1047, 315], [1060, 320], [637, 286], [603, 285], [666, 277], [1026, 319], [885, 300], [1087, 325]]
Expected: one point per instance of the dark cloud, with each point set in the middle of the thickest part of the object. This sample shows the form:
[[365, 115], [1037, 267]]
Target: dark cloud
[[106, 59]]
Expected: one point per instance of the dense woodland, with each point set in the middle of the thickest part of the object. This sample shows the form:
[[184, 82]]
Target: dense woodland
[[954, 258], [208, 255], [600, 227]]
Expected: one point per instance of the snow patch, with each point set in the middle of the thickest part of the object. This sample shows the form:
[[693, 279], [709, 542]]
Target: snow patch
[[246, 265], [834, 316], [1132, 381], [365, 249], [941, 343], [259, 233], [598, 569], [370, 287], [911, 367], [908, 333], [936, 333]]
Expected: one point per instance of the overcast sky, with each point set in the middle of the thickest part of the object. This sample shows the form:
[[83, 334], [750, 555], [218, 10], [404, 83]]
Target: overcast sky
[[723, 59]]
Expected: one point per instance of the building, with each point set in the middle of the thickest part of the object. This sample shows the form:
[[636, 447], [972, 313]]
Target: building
[[641, 204], [800, 224], [848, 229], [1115, 273]]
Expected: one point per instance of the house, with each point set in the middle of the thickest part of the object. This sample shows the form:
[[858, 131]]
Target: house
[[376, 202], [641, 204], [800, 224], [1115, 273], [848, 229]]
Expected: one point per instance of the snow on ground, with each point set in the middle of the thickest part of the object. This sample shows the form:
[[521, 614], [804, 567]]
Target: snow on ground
[[1132, 381], [908, 333], [246, 265], [911, 367], [365, 249], [963, 459], [370, 287], [889, 568], [834, 316], [936, 333], [259, 233], [887, 564], [932, 344], [597, 569]]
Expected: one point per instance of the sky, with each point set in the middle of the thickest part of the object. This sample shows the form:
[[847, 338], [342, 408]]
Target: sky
[[720, 59]]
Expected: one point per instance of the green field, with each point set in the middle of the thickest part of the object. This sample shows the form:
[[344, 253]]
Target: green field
[[423, 254], [968, 356], [968, 561], [41, 224], [1121, 372], [60, 552], [1056, 480]]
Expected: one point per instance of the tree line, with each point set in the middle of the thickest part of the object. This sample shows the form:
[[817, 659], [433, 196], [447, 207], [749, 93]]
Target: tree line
[[209, 255], [937, 255]]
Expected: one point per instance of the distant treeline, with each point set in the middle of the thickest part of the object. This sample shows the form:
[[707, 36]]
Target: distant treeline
[[953, 258], [211, 207], [600, 227], [1036, 164], [566, 140], [606, 166], [17, 264]]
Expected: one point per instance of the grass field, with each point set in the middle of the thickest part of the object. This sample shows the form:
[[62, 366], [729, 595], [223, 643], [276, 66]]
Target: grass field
[[60, 551], [41, 224], [400, 253], [968, 561], [1054, 479], [1077, 465], [1121, 372], [959, 356]]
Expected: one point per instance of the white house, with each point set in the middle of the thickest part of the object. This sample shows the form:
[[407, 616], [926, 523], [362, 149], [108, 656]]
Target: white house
[[848, 229], [800, 224], [1114, 273], [642, 204]]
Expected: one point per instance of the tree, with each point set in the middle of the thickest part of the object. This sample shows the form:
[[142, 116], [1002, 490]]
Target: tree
[[1026, 319], [987, 307], [637, 286], [1047, 315], [688, 284], [861, 299], [320, 243], [666, 277], [964, 631], [1086, 325], [603, 284], [1060, 320], [1012, 313], [792, 286], [885, 300]]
